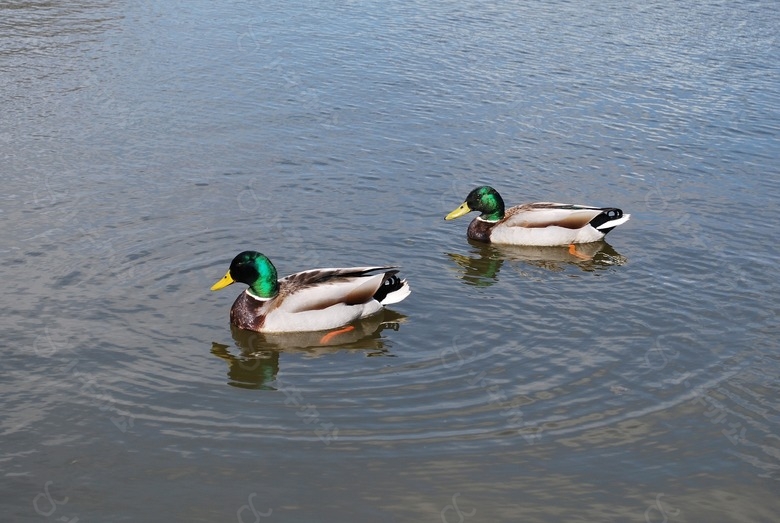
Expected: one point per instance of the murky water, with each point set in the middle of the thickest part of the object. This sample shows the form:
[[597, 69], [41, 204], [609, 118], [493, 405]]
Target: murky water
[[144, 145]]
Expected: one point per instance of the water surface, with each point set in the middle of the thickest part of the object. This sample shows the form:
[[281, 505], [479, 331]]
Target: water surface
[[145, 145]]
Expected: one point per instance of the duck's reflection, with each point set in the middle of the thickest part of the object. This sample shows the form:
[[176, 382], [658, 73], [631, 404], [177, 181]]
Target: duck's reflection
[[256, 362], [481, 266], [248, 372]]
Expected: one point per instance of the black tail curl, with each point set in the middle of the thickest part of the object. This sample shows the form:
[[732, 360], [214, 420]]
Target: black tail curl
[[391, 283], [607, 215]]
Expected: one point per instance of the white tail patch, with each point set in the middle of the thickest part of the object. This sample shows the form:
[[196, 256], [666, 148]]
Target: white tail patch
[[614, 223], [397, 295]]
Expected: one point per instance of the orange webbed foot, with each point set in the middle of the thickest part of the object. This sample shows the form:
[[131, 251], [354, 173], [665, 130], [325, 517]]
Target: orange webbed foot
[[573, 251], [332, 334]]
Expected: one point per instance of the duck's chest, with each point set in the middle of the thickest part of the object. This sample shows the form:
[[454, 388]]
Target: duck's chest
[[248, 313], [479, 230]]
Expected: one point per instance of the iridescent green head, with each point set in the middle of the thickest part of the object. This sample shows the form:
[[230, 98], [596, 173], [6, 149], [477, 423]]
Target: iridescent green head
[[484, 199], [255, 270]]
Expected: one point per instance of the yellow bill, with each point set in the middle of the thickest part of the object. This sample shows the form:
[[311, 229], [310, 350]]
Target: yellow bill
[[460, 211], [224, 282]]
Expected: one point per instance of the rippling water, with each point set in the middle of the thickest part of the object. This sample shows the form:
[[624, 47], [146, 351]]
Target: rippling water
[[144, 145]]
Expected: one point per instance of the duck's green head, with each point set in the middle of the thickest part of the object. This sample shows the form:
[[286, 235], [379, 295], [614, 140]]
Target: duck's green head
[[255, 270], [484, 199]]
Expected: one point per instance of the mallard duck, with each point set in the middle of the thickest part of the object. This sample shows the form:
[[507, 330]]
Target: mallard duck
[[318, 299], [540, 224]]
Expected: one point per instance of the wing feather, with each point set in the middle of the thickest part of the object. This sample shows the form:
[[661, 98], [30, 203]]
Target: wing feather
[[319, 289], [546, 214], [315, 276]]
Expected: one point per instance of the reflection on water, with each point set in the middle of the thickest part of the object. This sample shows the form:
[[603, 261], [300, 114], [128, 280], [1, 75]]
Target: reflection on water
[[481, 266], [144, 140], [257, 363], [249, 372]]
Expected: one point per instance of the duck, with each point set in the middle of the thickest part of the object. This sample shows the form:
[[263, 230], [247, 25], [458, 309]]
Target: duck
[[312, 300], [543, 224]]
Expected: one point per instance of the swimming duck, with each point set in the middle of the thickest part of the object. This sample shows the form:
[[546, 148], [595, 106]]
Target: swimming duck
[[540, 224], [317, 299]]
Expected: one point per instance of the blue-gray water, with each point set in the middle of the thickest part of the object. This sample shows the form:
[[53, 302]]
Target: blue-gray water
[[144, 144]]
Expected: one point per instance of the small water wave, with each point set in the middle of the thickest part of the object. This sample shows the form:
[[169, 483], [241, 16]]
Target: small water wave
[[342, 136]]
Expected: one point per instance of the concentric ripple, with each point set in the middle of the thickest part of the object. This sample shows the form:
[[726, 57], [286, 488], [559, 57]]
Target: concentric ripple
[[499, 370]]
